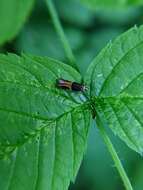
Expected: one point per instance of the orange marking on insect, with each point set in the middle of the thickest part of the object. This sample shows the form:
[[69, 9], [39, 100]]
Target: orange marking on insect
[[65, 84]]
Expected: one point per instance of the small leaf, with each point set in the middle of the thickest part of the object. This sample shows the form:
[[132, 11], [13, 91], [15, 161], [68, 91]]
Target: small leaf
[[13, 14], [43, 129], [116, 86]]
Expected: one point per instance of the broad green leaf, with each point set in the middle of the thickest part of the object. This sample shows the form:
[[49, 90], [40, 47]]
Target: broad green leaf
[[95, 4], [13, 14], [43, 129], [115, 79]]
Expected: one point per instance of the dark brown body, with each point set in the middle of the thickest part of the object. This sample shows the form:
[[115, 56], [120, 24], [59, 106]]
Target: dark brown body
[[65, 84]]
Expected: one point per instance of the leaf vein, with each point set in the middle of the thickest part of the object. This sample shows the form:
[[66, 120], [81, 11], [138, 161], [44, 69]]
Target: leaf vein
[[38, 164], [54, 159], [12, 170], [131, 82]]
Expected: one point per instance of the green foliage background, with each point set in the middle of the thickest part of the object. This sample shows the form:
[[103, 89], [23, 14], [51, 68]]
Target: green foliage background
[[88, 30]]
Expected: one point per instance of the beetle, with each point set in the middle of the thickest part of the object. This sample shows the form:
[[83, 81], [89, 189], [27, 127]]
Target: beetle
[[74, 86]]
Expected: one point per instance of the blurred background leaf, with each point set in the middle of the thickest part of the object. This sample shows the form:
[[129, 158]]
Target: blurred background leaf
[[111, 3], [13, 14], [88, 31]]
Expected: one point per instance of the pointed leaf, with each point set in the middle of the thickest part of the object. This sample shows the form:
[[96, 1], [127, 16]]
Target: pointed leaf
[[116, 86], [43, 129]]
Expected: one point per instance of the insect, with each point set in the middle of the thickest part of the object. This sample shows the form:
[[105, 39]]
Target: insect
[[65, 84]]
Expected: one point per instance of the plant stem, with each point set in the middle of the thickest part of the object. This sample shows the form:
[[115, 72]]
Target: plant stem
[[114, 156], [60, 32]]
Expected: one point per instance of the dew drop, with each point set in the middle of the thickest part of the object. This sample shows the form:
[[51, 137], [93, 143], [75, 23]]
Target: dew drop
[[100, 75], [122, 87]]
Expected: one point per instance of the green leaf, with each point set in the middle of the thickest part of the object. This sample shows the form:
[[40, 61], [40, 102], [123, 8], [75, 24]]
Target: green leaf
[[115, 79], [95, 4], [43, 129], [13, 14]]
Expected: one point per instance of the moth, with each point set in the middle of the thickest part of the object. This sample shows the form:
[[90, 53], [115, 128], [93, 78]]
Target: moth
[[74, 86]]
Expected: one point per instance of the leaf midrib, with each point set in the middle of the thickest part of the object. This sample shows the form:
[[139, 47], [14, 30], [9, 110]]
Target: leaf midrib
[[118, 98]]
